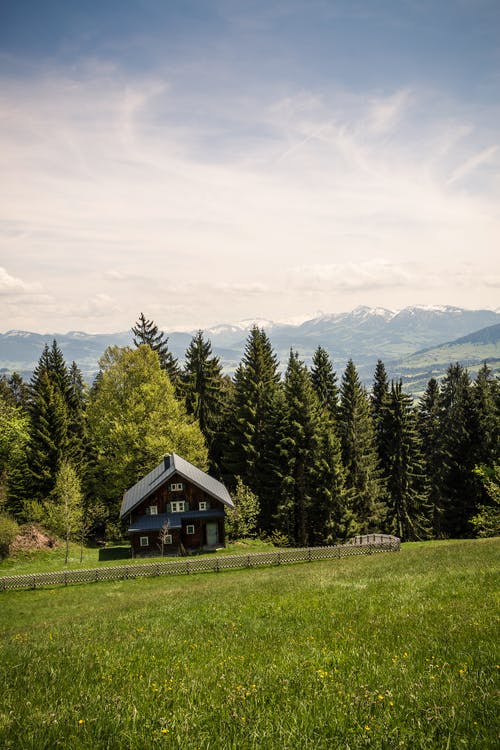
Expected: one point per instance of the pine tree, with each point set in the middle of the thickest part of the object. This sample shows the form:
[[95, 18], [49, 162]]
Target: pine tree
[[408, 510], [202, 387], [146, 332], [49, 441], [429, 427], [331, 517], [313, 506], [274, 460], [324, 380], [486, 404], [359, 452], [256, 376], [379, 403], [301, 435], [460, 486]]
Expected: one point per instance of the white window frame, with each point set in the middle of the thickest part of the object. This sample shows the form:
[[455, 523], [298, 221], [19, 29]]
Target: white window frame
[[203, 505], [144, 541], [190, 528], [177, 506], [168, 539], [176, 487], [152, 510]]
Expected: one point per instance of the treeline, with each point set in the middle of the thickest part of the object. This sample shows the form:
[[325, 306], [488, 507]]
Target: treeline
[[327, 459]]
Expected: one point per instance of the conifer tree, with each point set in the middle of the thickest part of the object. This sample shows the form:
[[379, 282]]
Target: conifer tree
[[408, 510], [324, 380], [379, 403], [429, 427], [359, 452], [486, 405], [301, 436], [313, 506], [331, 517], [460, 486], [274, 461], [146, 332], [202, 387], [256, 376]]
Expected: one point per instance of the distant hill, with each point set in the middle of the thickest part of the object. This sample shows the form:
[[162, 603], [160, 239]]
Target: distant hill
[[470, 350], [403, 339]]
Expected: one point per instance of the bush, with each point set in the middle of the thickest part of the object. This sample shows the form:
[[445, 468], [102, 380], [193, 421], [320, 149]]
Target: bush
[[8, 532]]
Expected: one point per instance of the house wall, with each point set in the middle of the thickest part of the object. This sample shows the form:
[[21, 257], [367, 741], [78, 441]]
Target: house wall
[[162, 498]]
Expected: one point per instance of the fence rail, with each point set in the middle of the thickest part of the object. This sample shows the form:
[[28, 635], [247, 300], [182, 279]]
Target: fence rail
[[360, 545]]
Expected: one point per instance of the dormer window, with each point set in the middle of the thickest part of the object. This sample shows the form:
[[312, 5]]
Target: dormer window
[[203, 505], [152, 510], [178, 506], [176, 487]]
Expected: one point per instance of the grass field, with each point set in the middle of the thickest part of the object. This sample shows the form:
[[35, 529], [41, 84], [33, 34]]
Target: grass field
[[387, 651], [45, 561]]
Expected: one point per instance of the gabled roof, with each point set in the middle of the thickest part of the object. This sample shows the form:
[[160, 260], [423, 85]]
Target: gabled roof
[[169, 466]]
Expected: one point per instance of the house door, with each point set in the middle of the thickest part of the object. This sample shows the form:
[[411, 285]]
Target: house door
[[212, 534]]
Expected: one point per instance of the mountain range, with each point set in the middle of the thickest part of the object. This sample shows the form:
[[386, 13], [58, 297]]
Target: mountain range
[[412, 342]]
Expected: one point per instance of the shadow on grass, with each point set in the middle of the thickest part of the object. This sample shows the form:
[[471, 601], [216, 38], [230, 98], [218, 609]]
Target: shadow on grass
[[115, 553]]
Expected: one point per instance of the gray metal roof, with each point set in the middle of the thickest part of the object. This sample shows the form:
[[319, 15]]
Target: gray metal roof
[[170, 465]]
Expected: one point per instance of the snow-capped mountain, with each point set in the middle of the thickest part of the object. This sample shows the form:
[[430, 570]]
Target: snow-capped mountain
[[365, 334]]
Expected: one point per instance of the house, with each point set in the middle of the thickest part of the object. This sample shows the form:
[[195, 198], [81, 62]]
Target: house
[[178, 504]]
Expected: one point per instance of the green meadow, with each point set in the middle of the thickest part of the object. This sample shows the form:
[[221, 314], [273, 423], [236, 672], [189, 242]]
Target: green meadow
[[393, 650]]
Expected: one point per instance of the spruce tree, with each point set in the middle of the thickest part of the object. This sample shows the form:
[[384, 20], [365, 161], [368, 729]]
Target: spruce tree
[[274, 459], [408, 510], [202, 387], [324, 380], [48, 409], [146, 332], [256, 376], [460, 487], [486, 405], [379, 403], [359, 452], [313, 507], [301, 436], [429, 427]]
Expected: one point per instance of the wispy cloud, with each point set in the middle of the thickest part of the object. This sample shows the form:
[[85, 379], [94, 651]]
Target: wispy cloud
[[485, 156], [122, 200]]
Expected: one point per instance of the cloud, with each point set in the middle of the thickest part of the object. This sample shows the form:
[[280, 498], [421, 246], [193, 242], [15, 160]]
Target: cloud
[[11, 285], [131, 193], [372, 274], [486, 156], [386, 112]]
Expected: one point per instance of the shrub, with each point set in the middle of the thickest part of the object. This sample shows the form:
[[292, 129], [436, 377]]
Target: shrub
[[8, 532]]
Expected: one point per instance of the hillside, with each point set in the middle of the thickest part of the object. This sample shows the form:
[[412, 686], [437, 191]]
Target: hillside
[[470, 350], [364, 334], [383, 651]]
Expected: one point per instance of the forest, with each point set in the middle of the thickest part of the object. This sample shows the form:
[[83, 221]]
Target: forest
[[322, 458]]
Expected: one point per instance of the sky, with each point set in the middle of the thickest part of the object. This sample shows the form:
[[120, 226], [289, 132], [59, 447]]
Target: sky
[[209, 161]]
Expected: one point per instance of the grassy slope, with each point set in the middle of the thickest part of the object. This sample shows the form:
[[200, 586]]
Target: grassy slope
[[45, 561], [388, 651]]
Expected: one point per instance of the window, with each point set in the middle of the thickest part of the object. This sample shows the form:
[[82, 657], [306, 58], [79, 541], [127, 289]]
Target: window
[[152, 510], [203, 505], [178, 506], [177, 487], [144, 541], [190, 529], [167, 539]]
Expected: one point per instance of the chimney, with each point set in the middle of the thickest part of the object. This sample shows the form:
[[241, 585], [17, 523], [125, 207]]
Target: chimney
[[166, 462]]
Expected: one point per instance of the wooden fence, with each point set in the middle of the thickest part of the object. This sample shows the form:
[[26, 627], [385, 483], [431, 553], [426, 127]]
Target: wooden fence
[[360, 545]]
